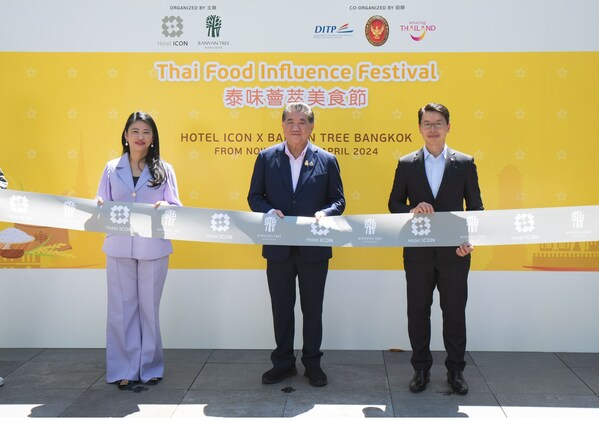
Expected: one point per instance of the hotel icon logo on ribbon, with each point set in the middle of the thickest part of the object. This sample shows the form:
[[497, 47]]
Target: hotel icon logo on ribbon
[[19, 204], [318, 229], [524, 222], [421, 225], [119, 214], [220, 222]]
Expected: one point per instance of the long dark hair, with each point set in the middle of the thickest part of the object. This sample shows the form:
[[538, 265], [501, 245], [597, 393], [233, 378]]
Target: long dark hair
[[154, 163]]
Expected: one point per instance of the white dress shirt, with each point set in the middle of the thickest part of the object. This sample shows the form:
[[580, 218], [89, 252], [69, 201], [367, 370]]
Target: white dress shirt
[[434, 168]]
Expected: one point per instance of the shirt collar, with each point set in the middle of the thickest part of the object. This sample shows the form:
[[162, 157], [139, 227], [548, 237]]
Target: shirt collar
[[288, 152], [427, 153]]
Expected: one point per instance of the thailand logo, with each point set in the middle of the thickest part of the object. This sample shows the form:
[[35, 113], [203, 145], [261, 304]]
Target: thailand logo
[[168, 218], [421, 225], [472, 222], [270, 222], [172, 26], [213, 24], [577, 219], [417, 29], [68, 209], [318, 229], [220, 222], [19, 204], [370, 226], [377, 30], [119, 214], [525, 222]]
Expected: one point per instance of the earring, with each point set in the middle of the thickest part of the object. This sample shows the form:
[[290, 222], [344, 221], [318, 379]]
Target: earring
[[151, 145], [126, 143]]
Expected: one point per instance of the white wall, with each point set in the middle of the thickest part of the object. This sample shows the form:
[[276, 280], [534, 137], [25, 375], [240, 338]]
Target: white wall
[[507, 311]]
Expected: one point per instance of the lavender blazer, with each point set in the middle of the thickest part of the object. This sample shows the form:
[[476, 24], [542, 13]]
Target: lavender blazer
[[116, 184]]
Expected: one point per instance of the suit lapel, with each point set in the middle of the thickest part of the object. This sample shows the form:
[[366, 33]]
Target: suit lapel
[[449, 162], [143, 178], [123, 170], [310, 161]]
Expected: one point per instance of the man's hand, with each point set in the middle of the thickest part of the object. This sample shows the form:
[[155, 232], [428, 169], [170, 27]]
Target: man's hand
[[423, 207], [464, 249]]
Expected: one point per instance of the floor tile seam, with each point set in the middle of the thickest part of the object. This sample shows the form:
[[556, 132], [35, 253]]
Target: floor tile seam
[[576, 374], [77, 398], [20, 363], [474, 363]]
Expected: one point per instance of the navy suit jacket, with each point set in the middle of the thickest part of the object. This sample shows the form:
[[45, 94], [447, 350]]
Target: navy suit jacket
[[319, 188], [458, 185]]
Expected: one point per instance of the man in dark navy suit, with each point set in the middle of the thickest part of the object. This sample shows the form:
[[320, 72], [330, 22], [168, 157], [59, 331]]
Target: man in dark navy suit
[[436, 178], [296, 178]]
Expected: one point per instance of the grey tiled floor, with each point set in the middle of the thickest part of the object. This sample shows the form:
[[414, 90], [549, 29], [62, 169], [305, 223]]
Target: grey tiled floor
[[226, 383]]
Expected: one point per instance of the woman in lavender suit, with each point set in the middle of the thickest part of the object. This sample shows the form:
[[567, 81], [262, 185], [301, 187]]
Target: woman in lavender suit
[[136, 267]]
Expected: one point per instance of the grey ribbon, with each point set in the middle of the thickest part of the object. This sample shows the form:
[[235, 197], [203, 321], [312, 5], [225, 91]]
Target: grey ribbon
[[499, 227]]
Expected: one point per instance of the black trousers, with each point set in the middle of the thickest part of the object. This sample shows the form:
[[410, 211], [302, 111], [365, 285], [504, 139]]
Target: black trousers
[[281, 284], [451, 279]]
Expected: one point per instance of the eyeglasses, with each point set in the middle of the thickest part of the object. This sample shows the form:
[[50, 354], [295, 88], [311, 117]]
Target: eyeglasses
[[437, 125]]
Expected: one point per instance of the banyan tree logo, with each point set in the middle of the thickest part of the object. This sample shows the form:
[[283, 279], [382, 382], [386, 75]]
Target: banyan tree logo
[[421, 225], [19, 204], [68, 209], [318, 229], [270, 222], [172, 26], [370, 226], [472, 222], [119, 214], [220, 222], [168, 218], [524, 222], [577, 219], [213, 24]]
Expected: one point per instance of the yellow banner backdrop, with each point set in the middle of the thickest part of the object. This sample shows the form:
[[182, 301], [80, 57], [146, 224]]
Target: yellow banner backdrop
[[525, 117]]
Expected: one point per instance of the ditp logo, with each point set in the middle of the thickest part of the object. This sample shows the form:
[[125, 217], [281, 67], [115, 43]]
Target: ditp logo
[[19, 204], [220, 222], [421, 225], [172, 26], [417, 29], [332, 31], [270, 222], [68, 209], [168, 218], [119, 214], [370, 226], [524, 222]]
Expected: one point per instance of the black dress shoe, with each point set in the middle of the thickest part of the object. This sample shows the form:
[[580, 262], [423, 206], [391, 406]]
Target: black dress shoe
[[316, 376], [275, 375], [420, 380], [457, 382]]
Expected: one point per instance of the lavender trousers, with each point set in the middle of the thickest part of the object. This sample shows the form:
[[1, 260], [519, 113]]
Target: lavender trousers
[[133, 340]]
